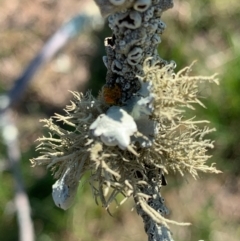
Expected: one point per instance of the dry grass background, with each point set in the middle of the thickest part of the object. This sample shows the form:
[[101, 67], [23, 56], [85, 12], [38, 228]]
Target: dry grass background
[[204, 30]]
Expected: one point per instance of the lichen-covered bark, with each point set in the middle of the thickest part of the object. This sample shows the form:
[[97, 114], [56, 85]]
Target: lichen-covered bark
[[136, 36], [156, 231]]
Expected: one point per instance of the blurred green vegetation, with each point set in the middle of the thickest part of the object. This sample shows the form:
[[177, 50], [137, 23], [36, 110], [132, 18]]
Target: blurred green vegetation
[[206, 31]]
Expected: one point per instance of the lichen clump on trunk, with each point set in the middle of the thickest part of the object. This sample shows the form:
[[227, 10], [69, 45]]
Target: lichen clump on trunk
[[179, 144]]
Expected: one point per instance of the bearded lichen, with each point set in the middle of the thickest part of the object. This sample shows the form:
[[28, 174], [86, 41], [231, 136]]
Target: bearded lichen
[[178, 145]]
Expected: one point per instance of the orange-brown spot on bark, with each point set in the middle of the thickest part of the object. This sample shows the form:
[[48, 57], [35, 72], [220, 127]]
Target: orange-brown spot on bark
[[111, 95]]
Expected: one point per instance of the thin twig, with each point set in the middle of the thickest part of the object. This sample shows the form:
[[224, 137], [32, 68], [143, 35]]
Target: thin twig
[[69, 30], [21, 200]]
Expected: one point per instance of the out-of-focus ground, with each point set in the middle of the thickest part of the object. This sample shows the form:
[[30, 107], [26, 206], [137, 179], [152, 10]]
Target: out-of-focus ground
[[204, 30]]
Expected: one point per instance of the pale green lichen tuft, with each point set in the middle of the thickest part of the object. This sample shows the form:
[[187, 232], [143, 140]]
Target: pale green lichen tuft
[[180, 144]]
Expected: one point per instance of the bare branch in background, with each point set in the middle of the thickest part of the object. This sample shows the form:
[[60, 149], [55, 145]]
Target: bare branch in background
[[10, 137], [69, 30]]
